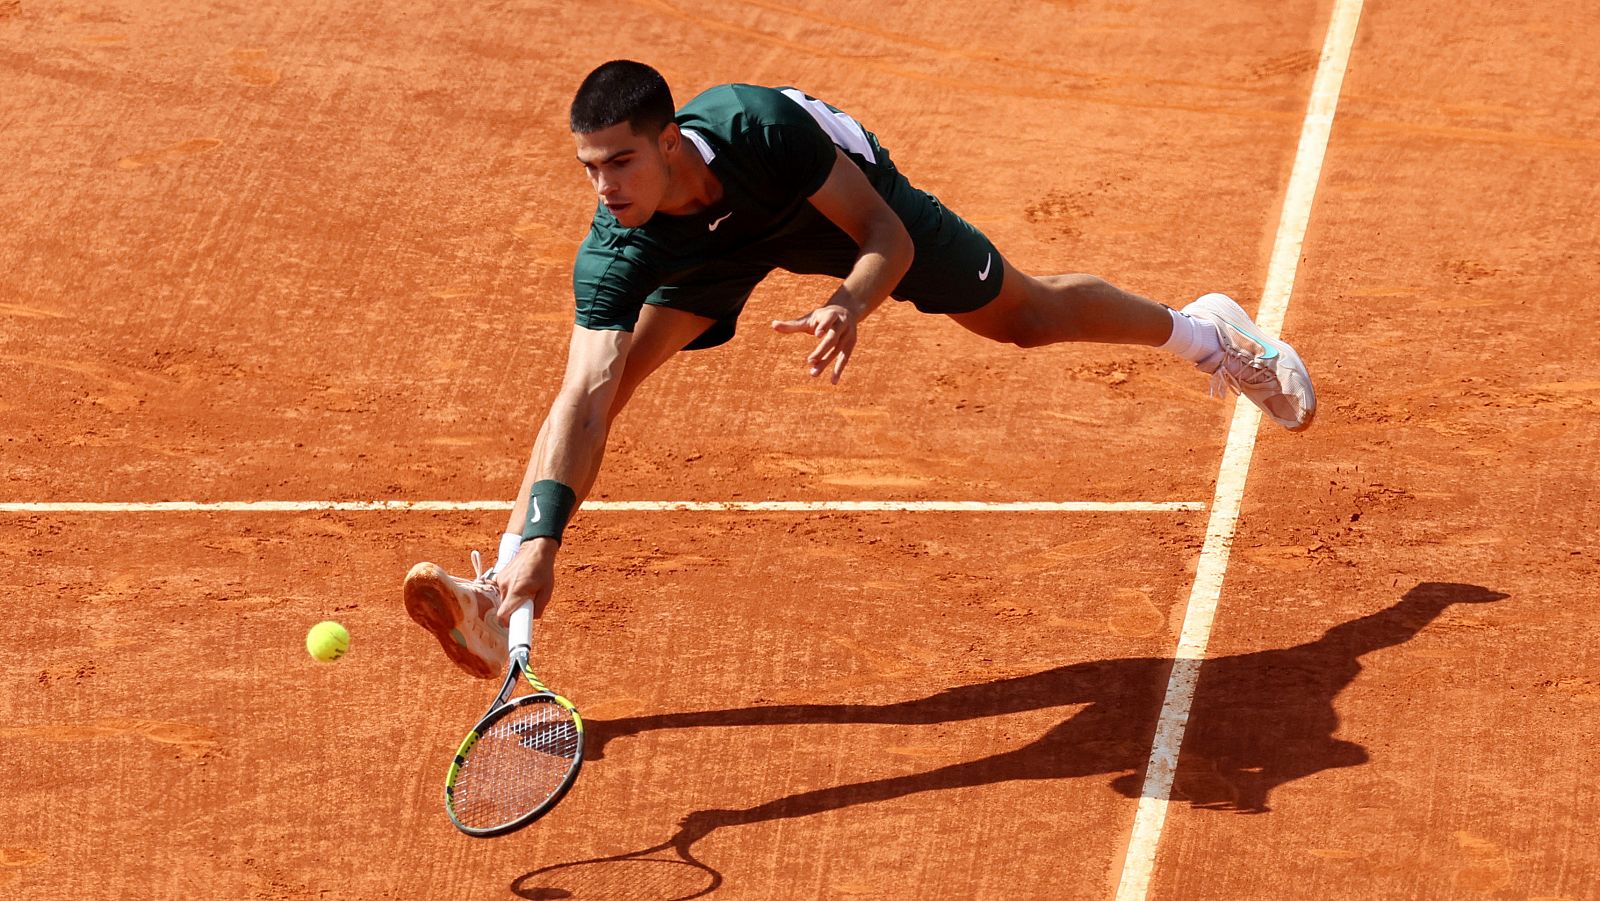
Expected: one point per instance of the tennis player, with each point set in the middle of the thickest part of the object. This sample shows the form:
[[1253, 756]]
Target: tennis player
[[696, 206]]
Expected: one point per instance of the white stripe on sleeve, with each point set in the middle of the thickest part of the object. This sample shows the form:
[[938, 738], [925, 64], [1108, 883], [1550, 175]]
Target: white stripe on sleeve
[[845, 132]]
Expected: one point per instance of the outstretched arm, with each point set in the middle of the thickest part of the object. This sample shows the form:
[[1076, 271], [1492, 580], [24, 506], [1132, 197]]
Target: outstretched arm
[[851, 203], [568, 450]]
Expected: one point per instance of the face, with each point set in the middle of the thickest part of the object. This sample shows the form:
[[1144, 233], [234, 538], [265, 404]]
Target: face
[[628, 170]]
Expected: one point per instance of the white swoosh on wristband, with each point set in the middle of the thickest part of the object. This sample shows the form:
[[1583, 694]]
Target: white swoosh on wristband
[[535, 510]]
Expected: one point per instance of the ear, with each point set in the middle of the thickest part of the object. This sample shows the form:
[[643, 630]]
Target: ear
[[671, 136]]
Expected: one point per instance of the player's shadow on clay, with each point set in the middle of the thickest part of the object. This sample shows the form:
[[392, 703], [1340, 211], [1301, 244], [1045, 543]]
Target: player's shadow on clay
[[1258, 721]]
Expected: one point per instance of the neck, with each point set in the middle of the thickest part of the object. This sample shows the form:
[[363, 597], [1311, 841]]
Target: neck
[[691, 184]]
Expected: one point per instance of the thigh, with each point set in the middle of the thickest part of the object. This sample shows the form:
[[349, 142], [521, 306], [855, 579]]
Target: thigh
[[660, 333]]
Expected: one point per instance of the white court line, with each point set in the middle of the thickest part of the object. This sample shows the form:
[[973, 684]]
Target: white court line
[[621, 506], [1163, 764]]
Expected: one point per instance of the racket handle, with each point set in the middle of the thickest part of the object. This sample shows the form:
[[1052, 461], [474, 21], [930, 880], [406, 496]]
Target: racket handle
[[520, 633]]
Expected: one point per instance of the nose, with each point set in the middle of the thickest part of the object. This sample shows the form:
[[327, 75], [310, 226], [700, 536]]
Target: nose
[[605, 186]]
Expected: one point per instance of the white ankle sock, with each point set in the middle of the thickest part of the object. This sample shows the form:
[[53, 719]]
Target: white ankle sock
[[1193, 339]]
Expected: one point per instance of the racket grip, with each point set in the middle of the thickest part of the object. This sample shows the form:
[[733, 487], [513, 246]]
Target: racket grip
[[520, 633]]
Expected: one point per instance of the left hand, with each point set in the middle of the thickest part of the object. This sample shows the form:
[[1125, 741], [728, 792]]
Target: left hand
[[835, 325]]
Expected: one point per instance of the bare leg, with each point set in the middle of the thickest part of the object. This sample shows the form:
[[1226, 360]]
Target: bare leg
[[1214, 333], [1035, 311]]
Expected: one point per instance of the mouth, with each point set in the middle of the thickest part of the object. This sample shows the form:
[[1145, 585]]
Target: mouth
[[616, 208]]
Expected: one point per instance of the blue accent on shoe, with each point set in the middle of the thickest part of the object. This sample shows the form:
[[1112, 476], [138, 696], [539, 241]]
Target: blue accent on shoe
[[1271, 350]]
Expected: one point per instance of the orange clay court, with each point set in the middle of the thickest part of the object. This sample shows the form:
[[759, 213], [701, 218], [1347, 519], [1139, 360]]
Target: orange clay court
[[320, 253]]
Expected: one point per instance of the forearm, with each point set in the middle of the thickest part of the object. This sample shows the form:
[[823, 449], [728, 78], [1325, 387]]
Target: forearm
[[886, 256], [573, 436], [569, 449]]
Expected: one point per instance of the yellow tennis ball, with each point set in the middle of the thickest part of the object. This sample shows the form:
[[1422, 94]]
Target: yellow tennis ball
[[327, 641]]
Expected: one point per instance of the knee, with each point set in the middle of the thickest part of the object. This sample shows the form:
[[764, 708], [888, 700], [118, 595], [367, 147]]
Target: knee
[[1028, 327], [1021, 328], [1031, 323], [1070, 302]]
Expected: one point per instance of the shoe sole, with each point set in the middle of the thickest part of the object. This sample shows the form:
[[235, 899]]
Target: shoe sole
[[1287, 353], [431, 603]]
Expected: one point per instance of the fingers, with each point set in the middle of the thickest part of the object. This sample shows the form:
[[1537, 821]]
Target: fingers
[[838, 365], [834, 349], [834, 332], [791, 326], [515, 598], [505, 582], [837, 333], [847, 346], [819, 358], [508, 605], [815, 323]]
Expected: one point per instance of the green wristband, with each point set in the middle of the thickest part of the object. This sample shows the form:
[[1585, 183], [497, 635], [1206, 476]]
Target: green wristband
[[550, 505]]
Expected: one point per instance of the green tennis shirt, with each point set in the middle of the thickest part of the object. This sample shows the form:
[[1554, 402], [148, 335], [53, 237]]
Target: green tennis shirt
[[771, 148]]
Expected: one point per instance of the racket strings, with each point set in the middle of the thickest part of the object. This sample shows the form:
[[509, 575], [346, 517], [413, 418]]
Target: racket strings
[[518, 762]]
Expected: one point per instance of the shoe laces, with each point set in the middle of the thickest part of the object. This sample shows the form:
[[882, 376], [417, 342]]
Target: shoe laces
[[1239, 370], [484, 579], [481, 576]]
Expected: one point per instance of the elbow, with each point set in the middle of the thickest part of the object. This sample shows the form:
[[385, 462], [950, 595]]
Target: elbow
[[898, 250], [908, 248]]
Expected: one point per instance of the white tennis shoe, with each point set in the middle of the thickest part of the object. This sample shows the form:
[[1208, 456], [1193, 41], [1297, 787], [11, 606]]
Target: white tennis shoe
[[461, 614], [1265, 370]]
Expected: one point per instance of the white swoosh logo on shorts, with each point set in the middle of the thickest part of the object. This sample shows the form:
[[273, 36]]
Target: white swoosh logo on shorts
[[987, 262], [713, 226]]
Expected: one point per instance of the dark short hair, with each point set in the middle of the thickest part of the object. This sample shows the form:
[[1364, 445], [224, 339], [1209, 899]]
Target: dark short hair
[[622, 91]]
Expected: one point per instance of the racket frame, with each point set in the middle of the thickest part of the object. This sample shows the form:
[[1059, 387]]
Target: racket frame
[[520, 634]]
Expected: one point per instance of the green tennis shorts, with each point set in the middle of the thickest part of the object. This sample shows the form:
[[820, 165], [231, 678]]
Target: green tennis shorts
[[956, 270]]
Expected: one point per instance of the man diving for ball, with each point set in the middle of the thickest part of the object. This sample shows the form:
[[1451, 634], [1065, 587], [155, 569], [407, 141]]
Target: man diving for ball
[[696, 207]]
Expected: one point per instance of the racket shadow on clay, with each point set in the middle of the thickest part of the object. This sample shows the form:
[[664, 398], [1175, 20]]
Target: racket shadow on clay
[[666, 872]]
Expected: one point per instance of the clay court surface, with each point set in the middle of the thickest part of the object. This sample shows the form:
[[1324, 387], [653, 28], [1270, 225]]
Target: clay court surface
[[317, 251]]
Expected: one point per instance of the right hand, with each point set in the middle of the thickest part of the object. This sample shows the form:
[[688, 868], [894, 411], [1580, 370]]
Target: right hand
[[530, 578]]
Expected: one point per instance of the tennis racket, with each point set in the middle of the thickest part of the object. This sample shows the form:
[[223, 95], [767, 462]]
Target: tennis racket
[[523, 755]]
